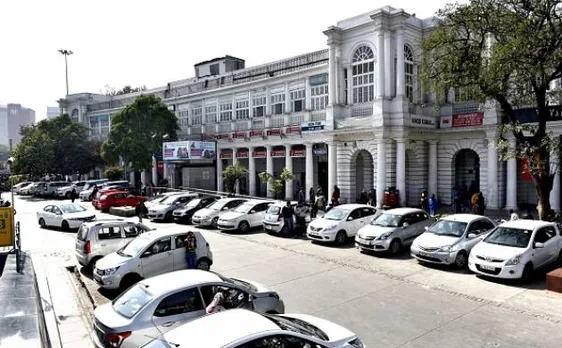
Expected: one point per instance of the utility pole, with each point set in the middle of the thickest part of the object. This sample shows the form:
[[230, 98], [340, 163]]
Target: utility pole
[[66, 53]]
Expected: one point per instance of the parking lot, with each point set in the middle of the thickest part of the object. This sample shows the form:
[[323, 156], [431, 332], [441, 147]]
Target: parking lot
[[388, 301]]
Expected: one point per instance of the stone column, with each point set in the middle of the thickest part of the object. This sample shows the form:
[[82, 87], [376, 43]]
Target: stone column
[[287, 98], [235, 162], [332, 78], [432, 164], [166, 173], [220, 187], [511, 194], [339, 76], [308, 91], [400, 73], [380, 65], [267, 102], [269, 169], [493, 195], [332, 168], [250, 106], [154, 171], [401, 169], [349, 85], [381, 171], [388, 63], [555, 193], [289, 165], [144, 177], [309, 169], [251, 172]]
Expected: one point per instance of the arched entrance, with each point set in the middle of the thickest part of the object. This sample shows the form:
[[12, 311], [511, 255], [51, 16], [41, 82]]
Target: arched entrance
[[364, 173], [467, 169]]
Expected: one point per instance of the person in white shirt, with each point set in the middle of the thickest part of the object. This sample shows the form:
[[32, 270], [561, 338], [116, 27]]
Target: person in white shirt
[[513, 215]]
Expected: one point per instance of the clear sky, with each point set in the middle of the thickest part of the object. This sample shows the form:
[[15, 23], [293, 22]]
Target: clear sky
[[141, 42]]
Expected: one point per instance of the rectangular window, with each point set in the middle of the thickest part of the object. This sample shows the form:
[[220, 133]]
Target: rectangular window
[[409, 80], [183, 117], [225, 111], [297, 100], [258, 103], [319, 97], [345, 80], [214, 69], [242, 109], [363, 82], [197, 115], [211, 113], [105, 124], [278, 103]]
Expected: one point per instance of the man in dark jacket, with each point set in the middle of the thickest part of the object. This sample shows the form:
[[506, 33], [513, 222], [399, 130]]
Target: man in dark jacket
[[287, 213]]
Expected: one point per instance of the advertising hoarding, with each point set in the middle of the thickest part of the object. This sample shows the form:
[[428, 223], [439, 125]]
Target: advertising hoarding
[[184, 150]]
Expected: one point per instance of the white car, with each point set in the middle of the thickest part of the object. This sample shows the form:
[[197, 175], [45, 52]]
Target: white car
[[210, 215], [393, 230], [157, 305], [20, 185], [66, 191], [514, 249], [150, 254], [273, 221], [340, 223], [246, 216], [164, 209], [23, 189], [66, 216], [450, 240], [240, 328], [158, 198]]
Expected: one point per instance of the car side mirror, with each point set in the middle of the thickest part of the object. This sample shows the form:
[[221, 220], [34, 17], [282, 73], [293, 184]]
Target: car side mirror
[[147, 253], [471, 236], [252, 211], [224, 208], [405, 224], [539, 245], [426, 228]]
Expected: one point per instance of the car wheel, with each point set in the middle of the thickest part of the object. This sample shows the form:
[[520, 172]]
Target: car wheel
[[559, 259], [215, 222], [169, 217], [461, 260], [527, 273], [341, 237], [284, 231], [65, 225], [129, 280], [42, 223], [395, 247], [67, 195], [203, 264], [244, 227], [92, 264]]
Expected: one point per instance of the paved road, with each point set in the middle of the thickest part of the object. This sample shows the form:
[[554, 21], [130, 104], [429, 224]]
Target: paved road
[[389, 302]]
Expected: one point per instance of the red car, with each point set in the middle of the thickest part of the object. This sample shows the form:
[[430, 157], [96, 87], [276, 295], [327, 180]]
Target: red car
[[105, 191], [117, 199]]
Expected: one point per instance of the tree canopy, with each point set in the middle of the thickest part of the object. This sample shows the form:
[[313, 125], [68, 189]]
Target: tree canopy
[[56, 146], [138, 131], [509, 52]]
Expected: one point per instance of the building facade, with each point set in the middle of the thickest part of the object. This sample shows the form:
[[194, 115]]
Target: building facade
[[353, 115], [12, 117], [52, 112]]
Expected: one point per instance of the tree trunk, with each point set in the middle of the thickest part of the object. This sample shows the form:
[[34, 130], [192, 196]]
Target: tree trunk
[[543, 185]]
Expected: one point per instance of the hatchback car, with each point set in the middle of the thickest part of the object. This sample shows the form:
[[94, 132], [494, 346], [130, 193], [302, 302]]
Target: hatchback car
[[273, 221], [392, 230], [66, 216], [185, 213], [449, 240], [209, 216], [246, 216], [340, 223], [150, 254], [162, 303], [66, 191], [117, 199], [97, 239], [87, 191], [164, 210], [248, 329], [514, 249]]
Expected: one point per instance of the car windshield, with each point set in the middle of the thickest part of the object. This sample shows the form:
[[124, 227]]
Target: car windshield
[[134, 247], [71, 208], [298, 326], [273, 210], [132, 301], [237, 282], [511, 237], [244, 208], [336, 214], [448, 228], [168, 200], [193, 203], [156, 198], [387, 220], [217, 205]]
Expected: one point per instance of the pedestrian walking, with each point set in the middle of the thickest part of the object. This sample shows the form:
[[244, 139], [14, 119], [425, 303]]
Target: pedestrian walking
[[73, 195], [287, 213], [364, 197], [300, 195], [335, 199], [312, 195], [191, 250], [432, 205], [481, 203], [141, 210], [300, 213], [372, 197], [424, 201]]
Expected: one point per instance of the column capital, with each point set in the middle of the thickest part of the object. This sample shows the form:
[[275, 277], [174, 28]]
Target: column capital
[[268, 148], [400, 140], [308, 144], [432, 141], [288, 147]]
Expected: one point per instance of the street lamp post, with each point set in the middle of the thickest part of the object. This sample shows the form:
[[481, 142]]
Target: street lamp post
[[66, 53]]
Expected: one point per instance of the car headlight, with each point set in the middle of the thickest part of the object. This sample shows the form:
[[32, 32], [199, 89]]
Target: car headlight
[[330, 228], [514, 260], [446, 249], [385, 235], [356, 343], [110, 271]]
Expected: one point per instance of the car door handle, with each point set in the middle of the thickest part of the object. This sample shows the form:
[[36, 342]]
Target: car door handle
[[168, 323], [103, 244], [169, 252]]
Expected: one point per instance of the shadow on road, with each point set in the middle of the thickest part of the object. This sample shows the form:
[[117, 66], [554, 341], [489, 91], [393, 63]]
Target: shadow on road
[[109, 294], [350, 244], [447, 268], [3, 257]]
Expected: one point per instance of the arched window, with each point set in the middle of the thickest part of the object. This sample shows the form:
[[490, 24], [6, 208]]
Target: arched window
[[363, 67], [74, 113], [409, 72]]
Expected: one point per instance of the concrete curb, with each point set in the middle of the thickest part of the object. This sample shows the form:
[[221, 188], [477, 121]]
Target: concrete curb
[[76, 271], [50, 322], [122, 211]]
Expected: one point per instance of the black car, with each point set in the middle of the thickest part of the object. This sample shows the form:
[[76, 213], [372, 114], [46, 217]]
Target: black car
[[184, 214]]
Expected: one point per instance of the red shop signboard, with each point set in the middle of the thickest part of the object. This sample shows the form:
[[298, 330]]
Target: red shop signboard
[[160, 166], [293, 129], [226, 155], [256, 133], [259, 154], [277, 153], [242, 154], [298, 153], [275, 131], [468, 120]]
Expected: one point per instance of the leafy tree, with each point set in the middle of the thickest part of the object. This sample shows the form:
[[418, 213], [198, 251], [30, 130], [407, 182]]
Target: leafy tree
[[138, 130], [277, 183], [114, 173], [34, 155], [232, 175], [507, 52]]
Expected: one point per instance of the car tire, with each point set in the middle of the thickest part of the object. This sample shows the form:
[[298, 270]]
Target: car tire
[[527, 273], [169, 217], [284, 231], [42, 223], [244, 226], [341, 238], [90, 267], [559, 259], [215, 222], [395, 247], [129, 280], [203, 264], [67, 195], [461, 261], [65, 226]]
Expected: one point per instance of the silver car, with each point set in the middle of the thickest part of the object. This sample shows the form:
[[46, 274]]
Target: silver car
[[449, 240], [159, 304], [164, 209], [209, 216]]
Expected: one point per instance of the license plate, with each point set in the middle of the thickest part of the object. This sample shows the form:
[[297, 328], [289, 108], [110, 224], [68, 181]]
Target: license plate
[[422, 253], [488, 268]]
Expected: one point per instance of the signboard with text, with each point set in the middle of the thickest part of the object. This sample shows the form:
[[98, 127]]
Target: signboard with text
[[183, 150], [6, 227], [242, 154], [277, 153], [298, 153], [468, 120], [202, 150], [421, 121], [313, 126]]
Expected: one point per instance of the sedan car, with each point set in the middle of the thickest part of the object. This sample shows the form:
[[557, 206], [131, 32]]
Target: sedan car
[[246, 216], [341, 223], [514, 249], [449, 240], [117, 199], [66, 216], [163, 210], [162, 303], [247, 329], [393, 230], [210, 216], [185, 213]]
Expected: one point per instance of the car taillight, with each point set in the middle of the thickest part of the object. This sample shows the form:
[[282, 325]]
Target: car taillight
[[87, 247], [115, 339]]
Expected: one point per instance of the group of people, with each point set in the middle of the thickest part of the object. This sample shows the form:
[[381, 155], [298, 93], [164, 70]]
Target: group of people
[[368, 197], [468, 199]]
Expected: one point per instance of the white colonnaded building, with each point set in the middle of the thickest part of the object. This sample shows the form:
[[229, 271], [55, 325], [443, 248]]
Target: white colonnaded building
[[353, 115]]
